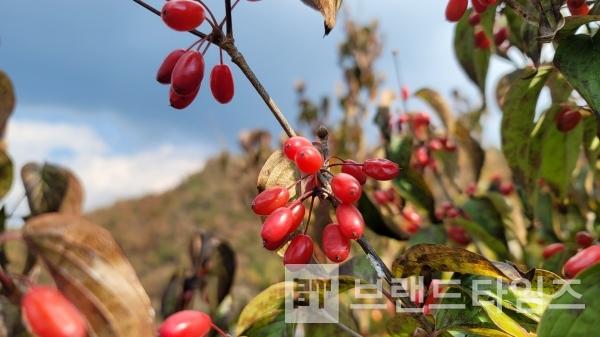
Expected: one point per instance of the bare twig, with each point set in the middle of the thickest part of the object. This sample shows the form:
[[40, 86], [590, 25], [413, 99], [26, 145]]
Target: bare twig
[[228, 18], [522, 12]]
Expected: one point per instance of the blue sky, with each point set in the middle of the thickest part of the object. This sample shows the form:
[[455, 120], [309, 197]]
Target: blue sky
[[84, 73]]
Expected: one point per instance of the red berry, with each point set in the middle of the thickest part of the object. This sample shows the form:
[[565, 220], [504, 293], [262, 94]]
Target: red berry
[[575, 3], [477, 9], [298, 211], [481, 40], [411, 227], [568, 120], [583, 10], [188, 72], [412, 216], [381, 197], [221, 83], [380, 169], [166, 68], [350, 220], [405, 92], [293, 144], [355, 171], [346, 188], [390, 194], [582, 260], [506, 188], [487, 2], [435, 145], [403, 119], [453, 213], [421, 119], [584, 239], [186, 323], [471, 188], [179, 102], [309, 159], [277, 225], [439, 213], [552, 249], [474, 18], [299, 252], [275, 245], [456, 9], [500, 36], [335, 244], [49, 313], [422, 156], [446, 205], [182, 15], [459, 235], [270, 199], [311, 182]]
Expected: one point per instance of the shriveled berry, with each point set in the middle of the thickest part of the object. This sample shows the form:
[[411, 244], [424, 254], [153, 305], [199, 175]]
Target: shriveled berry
[[477, 9], [309, 160], [299, 252], [293, 144], [179, 102], [335, 244], [355, 171], [298, 211], [270, 199], [182, 15], [186, 323], [584, 239], [188, 72], [350, 220], [221, 83], [49, 313], [277, 225], [163, 76], [456, 9], [500, 36], [552, 249], [346, 188], [380, 169], [481, 40], [568, 120], [459, 235], [581, 261]]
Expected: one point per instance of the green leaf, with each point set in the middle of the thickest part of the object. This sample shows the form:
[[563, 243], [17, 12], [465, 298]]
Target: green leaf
[[514, 26], [402, 325], [517, 126], [429, 234], [399, 150], [414, 188], [569, 321], [476, 155], [543, 213], [531, 46], [576, 59], [358, 266], [478, 233], [505, 83], [560, 89], [572, 24], [474, 61], [380, 219], [591, 142], [6, 174], [484, 212]]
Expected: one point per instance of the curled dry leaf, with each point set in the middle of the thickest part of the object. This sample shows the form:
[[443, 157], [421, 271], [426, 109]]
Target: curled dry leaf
[[90, 268]]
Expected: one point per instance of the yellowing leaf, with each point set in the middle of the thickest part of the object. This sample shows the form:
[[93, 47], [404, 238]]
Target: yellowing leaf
[[6, 173], [439, 104], [278, 170], [7, 100]]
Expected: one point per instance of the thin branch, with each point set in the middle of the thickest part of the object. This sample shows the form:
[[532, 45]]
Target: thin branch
[[522, 12], [228, 18]]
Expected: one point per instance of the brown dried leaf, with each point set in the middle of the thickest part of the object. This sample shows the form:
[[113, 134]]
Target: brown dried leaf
[[7, 101], [51, 188], [90, 268]]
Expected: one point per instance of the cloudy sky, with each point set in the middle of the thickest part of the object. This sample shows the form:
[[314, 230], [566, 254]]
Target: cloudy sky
[[84, 73]]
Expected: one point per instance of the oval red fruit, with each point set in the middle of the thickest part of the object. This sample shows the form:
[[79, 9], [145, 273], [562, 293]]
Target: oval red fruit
[[179, 102], [575, 3], [405, 92], [277, 225], [293, 144], [552, 249], [500, 36], [165, 71], [49, 313], [456, 9], [270, 199], [584, 239], [298, 211], [381, 197], [188, 72], [335, 244], [299, 252], [346, 188], [487, 2], [459, 235], [308, 159], [477, 9], [474, 19], [569, 120], [355, 171], [274, 245], [182, 15], [581, 261], [380, 169], [481, 40], [506, 188], [350, 221], [221, 83], [583, 10], [186, 323]]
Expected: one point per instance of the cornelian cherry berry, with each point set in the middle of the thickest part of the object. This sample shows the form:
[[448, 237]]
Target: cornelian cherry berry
[[355, 171], [179, 102], [405, 91], [182, 15], [186, 323], [487, 2], [163, 76], [421, 119], [308, 159], [506, 188], [568, 120], [299, 252], [188, 72], [477, 9], [49, 313], [584, 239], [456, 9], [481, 40], [270, 199], [346, 188], [575, 3], [380, 169], [453, 213], [381, 197], [500, 35], [221, 83], [474, 18], [581, 261], [298, 211], [435, 145], [459, 235], [471, 189], [422, 156], [274, 245], [277, 225], [293, 144], [583, 10], [350, 221], [552, 249], [335, 244]]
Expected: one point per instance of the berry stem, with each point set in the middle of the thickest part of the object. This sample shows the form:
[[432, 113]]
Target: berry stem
[[398, 77], [225, 19], [228, 9], [221, 55], [217, 329], [213, 23], [343, 164]]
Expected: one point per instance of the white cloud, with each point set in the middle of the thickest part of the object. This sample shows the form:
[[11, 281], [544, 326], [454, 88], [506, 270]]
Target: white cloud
[[106, 174]]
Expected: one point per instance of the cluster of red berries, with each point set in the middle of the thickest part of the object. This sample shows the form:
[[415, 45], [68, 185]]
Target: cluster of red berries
[[419, 122], [457, 8], [578, 7], [423, 154], [588, 256], [505, 188], [568, 118], [456, 233], [183, 69], [284, 217]]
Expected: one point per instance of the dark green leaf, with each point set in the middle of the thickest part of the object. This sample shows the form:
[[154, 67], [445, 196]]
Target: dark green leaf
[[399, 150], [429, 234], [474, 61], [414, 188], [358, 266], [591, 142], [478, 233], [402, 325], [572, 24], [560, 89], [514, 25], [485, 213], [378, 222], [531, 46], [544, 214]]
